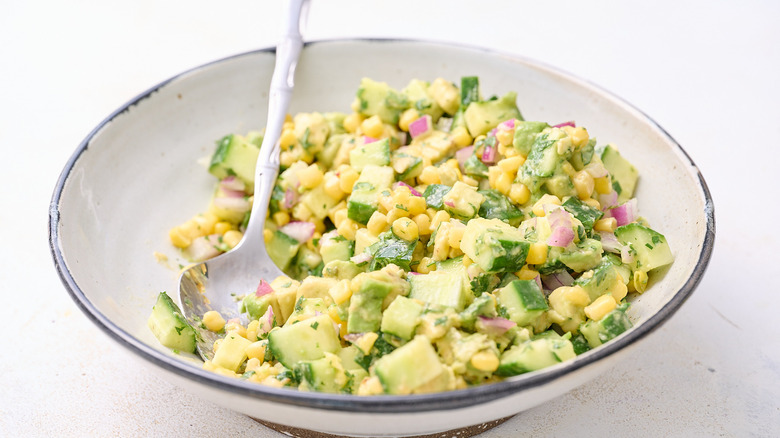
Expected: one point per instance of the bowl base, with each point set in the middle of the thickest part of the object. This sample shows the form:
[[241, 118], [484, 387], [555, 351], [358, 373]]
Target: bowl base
[[463, 432]]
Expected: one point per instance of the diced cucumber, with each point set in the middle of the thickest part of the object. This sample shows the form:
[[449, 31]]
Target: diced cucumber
[[483, 116], [469, 90], [648, 246], [408, 367], [535, 355], [523, 301], [235, 156], [318, 202], [624, 174], [525, 135], [363, 201], [334, 247], [282, 248], [443, 288], [434, 195], [401, 317], [376, 153], [169, 326], [475, 167], [406, 166], [497, 206], [306, 340], [607, 328], [231, 352], [494, 245]]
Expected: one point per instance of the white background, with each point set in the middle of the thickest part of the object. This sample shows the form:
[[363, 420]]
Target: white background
[[708, 72]]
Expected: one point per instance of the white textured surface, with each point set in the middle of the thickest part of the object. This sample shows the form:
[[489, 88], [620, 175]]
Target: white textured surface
[[706, 72]]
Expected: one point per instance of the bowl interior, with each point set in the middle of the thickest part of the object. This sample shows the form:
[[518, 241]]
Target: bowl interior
[[139, 174]]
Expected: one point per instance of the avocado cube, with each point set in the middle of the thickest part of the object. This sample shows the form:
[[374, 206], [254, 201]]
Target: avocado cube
[[525, 135], [306, 340], [409, 366], [365, 307], [607, 328], [463, 201], [363, 201], [483, 116], [376, 153], [494, 245], [401, 317], [534, 355], [231, 352]]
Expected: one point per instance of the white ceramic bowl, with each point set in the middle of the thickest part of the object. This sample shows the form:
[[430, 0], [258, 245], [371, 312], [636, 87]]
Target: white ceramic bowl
[[136, 175]]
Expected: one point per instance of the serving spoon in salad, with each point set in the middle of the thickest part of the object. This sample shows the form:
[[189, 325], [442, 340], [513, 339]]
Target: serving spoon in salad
[[215, 283]]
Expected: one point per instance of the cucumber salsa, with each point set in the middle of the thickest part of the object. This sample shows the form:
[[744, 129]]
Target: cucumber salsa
[[432, 239]]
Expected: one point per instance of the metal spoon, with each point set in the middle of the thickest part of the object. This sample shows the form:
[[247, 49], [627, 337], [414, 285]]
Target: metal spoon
[[214, 284]]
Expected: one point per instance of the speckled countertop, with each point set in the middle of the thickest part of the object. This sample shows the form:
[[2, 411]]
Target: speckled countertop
[[707, 72]]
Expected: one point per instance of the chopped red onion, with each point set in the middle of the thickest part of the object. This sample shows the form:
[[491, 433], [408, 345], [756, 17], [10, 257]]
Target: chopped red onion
[[263, 289], [290, 198], [353, 337], [414, 273], [497, 324], [363, 257], [204, 248], [232, 183], [228, 193], [557, 216], [538, 280], [411, 189], [489, 155], [625, 254], [462, 155], [569, 123], [421, 126], [625, 213], [609, 242], [449, 204], [266, 321], [492, 132], [299, 230], [367, 139], [507, 124], [558, 279], [608, 200], [241, 204], [402, 137], [561, 237]]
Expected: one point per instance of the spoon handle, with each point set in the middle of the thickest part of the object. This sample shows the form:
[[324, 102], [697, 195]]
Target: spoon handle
[[282, 81]]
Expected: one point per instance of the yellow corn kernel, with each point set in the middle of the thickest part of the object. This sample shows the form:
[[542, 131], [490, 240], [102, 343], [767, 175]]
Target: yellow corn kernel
[[602, 185], [352, 122], [454, 253], [538, 208], [584, 184], [519, 193], [599, 308], [493, 173], [339, 216], [232, 237], [593, 203], [205, 222], [429, 175], [190, 229], [461, 136], [347, 179], [568, 169], [426, 265], [332, 187], [438, 218], [396, 213], [505, 136], [467, 261], [267, 235], [310, 177], [511, 164], [526, 273], [288, 118], [579, 137], [281, 218], [213, 321], [370, 386], [347, 229], [377, 223], [448, 175], [288, 125], [222, 227], [256, 350], [619, 289], [251, 330], [340, 292], [287, 139], [416, 205], [441, 245], [423, 224], [485, 361], [301, 212], [178, 238], [408, 117], [366, 342], [287, 158], [607, 224], [512, 152], [640, 281], [401, 195], [575, 295], [504, 182], [455, 235], [469, 180], [372, 127], [537, 253], [406, 229]]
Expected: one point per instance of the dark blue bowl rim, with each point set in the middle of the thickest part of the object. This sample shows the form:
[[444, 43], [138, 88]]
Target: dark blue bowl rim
[[463, 398]]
